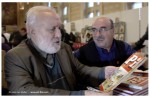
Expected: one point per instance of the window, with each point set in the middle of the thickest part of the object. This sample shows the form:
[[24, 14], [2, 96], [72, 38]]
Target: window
[[49, 4], [137, 5], [65, 11], [97, 13], [92, 9], [90, 15], [90, 4], [65, 21], [97, 3]]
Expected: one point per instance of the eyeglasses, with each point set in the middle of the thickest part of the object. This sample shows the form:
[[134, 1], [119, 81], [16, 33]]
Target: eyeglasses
[[102, 29]]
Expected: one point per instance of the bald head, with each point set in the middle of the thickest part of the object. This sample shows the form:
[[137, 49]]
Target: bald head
[[103, 32], [104, 20]]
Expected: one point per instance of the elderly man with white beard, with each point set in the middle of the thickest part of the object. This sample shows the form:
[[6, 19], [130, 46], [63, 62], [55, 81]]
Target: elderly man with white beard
[[43, 65]]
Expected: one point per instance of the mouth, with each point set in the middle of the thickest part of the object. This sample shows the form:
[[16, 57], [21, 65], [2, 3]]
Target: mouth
[[100, 39], [57, 42]]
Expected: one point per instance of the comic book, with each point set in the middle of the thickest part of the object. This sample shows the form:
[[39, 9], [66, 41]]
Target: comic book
[[123, 72], [137, 80], [125, 91]]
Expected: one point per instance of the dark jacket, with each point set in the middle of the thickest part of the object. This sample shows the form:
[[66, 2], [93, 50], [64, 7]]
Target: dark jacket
[[26, 73], [89, 55], [139, 43], [15, 38]]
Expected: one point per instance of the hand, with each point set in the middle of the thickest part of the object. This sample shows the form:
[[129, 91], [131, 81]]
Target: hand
[[92, 93], [109, 70]]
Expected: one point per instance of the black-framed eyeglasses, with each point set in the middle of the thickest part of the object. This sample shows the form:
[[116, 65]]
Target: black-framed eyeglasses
[[102, 29]]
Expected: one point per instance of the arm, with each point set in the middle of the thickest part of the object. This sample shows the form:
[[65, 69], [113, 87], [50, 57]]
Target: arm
[[89, 75], [139, 44], [25, 80]]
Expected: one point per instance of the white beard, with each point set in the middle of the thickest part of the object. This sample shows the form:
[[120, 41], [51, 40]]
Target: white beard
[[48, 47]]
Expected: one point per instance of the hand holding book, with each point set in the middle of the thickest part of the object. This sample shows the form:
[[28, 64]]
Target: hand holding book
[[123, 72], [109, 70]]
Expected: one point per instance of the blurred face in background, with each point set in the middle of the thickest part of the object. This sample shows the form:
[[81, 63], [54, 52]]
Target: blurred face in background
[[23, 31], [46, 34], [103, 33]]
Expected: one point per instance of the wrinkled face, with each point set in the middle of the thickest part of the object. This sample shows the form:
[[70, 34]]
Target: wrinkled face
[[103, 35], [46, 33]]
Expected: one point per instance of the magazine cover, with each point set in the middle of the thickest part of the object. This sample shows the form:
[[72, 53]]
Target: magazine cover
[[137, 82], [123, 72]]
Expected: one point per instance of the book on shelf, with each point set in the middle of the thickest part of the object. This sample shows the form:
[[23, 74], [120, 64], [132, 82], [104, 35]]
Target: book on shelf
[[123, 72]]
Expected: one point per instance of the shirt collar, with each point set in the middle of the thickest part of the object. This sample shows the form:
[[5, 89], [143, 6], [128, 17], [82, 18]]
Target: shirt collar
[[104, 50]]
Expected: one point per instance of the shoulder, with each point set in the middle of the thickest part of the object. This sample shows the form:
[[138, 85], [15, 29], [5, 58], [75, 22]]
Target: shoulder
[[21, 50], [64, 45], [91, 44], [119, 41], [124, 46], [121, 44]]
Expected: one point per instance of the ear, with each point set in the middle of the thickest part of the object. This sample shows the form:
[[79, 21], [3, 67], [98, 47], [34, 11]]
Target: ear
[[113, 31]]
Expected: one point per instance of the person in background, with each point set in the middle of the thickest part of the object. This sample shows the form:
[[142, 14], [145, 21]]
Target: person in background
[[88, 37], [43, 65], [72, 39], [139, 44], [6, 34], [5, 44], [23, 33], [15, 37], [78, 37], [103, 50], [65, 36]]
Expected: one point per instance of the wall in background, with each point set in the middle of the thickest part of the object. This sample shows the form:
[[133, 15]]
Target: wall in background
[[135, 28]]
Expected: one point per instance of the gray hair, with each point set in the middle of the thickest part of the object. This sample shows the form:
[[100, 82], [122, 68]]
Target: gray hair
[[34, 12]]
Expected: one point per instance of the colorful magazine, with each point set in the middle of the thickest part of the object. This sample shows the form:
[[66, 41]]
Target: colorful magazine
[[123, 72], [137, 82]]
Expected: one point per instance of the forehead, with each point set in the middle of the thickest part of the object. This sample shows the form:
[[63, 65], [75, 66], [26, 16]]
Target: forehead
[[49, 18], [101, 22]]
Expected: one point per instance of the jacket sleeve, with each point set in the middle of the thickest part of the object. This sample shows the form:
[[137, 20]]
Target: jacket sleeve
[[139, 44], [91, 76], [22, 82]]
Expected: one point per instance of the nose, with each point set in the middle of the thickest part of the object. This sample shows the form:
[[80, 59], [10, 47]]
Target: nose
[[57, 33], [97, 33]]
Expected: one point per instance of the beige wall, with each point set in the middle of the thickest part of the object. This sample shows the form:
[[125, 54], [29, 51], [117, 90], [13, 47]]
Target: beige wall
[[112, 7]]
